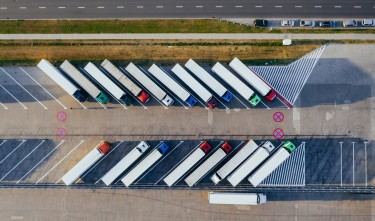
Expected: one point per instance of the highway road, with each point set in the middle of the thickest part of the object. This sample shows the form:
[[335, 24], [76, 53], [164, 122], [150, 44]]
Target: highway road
[[53, 9]]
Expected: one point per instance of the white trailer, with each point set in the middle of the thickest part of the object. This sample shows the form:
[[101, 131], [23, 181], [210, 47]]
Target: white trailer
[[107, 83], [84, 164], [236, 83], [236, 198], [146, 163], [61, 80], [125, 81], [87, 85], [201, 91], [177, 89], [183, 167], [141, 77], [251, 163], [125, 163], [253, 79], [235, 161], [210, 81], [271, 164], [208, 164]]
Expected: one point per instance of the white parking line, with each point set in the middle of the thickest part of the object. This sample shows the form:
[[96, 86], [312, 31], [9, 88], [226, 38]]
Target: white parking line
[[353, 165], [3, 8], [100, 7], [219, 6], [42, 7], [24, 107], [120, 7], [278, 6], [258, 6], [220, 102], [341, 161], [96, 164], [199, 6], [240, 101], [179, 6], [81, 7], [159, 161], [45, 108], [159, 6], [59, 161], [239, 6], [23, 141], [5, 107], [337, 6], [265, 105], [61, 7], [145, 88], [365, 162], [40, 161], [187, 155], [317, 6], [3, 142], [44, 88], [22, 160]]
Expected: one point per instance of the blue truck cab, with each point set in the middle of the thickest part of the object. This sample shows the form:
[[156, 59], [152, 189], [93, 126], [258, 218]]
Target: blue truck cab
[[163, 148], [191, 101], [227, 96]]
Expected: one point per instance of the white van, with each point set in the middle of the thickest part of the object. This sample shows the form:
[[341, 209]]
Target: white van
[[237, 198]]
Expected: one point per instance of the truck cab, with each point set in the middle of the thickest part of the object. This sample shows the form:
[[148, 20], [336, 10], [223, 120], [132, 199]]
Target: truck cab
[[227, 96], [254, 100], [268, 146], [212, 103], [102, 98], [205, 147], [143, 96], [271, 95], [142, 146], [127, 100], [163, 148], [104, 147], [81, 95], [168, 101], [226, 147], [289, 146], [191, 101]]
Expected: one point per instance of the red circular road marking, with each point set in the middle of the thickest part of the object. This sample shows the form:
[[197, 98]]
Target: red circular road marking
[[278, 133], [278, 116], [61, 132], [61, 116]]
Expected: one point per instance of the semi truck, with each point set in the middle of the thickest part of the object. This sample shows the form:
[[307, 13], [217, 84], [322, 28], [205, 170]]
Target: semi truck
[[253, 79], [107, 83], [235, 161], [201, 91], [125, 163], [237, 198], [141, 77], [210, 81], [177, 89], [146, 163], [251, 163], [272, 163], [83, 165], [125, 81], [85, 83], [236, 83], [61, 80], [187, 163], [208, 164]]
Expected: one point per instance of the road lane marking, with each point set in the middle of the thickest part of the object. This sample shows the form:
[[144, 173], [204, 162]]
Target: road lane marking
[[159, 161], [219, 6], [298, 6], [278, 6], [41, 161], [258, 6], [199, 6], [357, 6], [81, 7], [42, 7], [159, 6], [43, 88], [317, 6], [239, 6], [265, 105], [3, 8], [179, 6], [338, 6], [341, 160], [59, 161], [140, 6], [22, 7], [96, 164], [45, 108], [61, 7], [22, 160], [100, 7], [120, 7], [24, 107]]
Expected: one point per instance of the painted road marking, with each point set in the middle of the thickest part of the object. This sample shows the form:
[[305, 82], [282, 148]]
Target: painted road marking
[[24, 107], [3, 142], [199, 6], [4, 106], [238, 6], [357, 6], [96, 164], [159, 6], [221, 102], [81, 7], [353, 165], [3, 8], [265, 105], [278, 116], [59, 162], [187, 155], [341, 160], [22, 160], [61, 132], [278, 6], [42, 7], [22, 7], [258, 6], [40, 161], [45, 108], [120, 7], [338, 6], [140, 6], [43, 88], [317, 6], [219, 6], [179, 6], [240, 101], [159, 161], [61, 7], [278, 133], [100, 7], [282, 102], [298, 6], [23, 141]]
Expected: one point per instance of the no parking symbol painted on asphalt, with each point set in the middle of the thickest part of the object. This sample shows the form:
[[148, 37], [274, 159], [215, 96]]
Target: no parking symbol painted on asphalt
[[278, 133], [61, 116], [61, 132], [278, 116]]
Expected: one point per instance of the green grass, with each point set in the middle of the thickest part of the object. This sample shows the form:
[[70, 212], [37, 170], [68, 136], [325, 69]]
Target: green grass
[[148, 26]]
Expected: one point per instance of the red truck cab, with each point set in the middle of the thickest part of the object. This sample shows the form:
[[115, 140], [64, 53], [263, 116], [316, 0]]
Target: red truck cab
[[143, 97], [104, 147], [226, 147], [205, 147], [271, 95]]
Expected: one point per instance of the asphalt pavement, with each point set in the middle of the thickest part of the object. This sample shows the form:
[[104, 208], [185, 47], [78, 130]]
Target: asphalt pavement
[[67, 9]]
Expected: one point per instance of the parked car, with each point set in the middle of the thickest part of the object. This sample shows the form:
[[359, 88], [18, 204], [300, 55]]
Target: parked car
[[307, 23], [260, 23], [368, 22], [287, 23], [348, 23], [327, 24]]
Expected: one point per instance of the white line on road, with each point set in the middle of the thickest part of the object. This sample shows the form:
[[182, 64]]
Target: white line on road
[[241, 101], [96, 164], [100, 7], [3, 142], [22, 7], [221, 102], [282, 102], [159, 6], [45, 108], [258, 6], [353, 164], [24, 107], [179, 6], [366, 162], [43, 88], [23, 141], [120, 7], [149, 170], [338, 6], [61, 7], [219, 6], [298, 6], [265, 105], [4, 106], [22, 160], [60, 161], [239, 6], [81, 7], [3, 8], [140, 6], [341, 161], [278, 6], [41, 161], [317, 6], [357, 6], [42, 7], [199, 6]]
